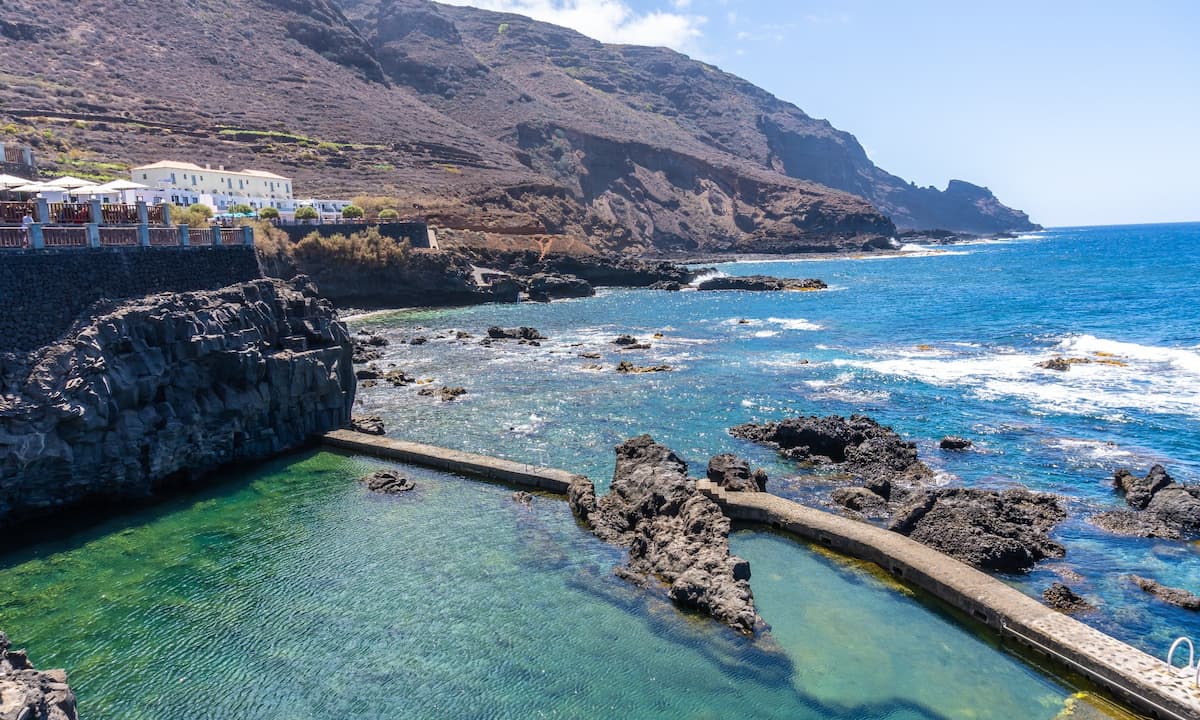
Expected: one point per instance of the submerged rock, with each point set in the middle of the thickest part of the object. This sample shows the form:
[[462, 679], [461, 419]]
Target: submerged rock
[[1064, 599], [1000, 531], [389, 482], [445, 394], [673, 532], [733, 473], [29, 694], [625, 340], [523, 498], [860, 445], [1172, 596], [1062, 364], [628, 368], [367, 424], [760, 283]]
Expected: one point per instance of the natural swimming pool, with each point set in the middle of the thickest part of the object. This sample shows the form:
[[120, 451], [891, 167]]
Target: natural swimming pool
[[289, 591]]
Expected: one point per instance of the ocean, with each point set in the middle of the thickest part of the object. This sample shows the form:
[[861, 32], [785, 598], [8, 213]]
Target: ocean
[[288, 591]]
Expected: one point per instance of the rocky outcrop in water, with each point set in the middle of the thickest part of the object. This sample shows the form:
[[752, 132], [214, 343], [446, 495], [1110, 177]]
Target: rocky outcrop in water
[[388, 482], [858, 445], [674, 533], [627, 368], [1172, 596], [445, 394], [999, 531], [29, 694], [1064, 599], [160, 390], [733, 473], [761, 283], [367, 424], [1162, 507], [954, 442], [521, 333]]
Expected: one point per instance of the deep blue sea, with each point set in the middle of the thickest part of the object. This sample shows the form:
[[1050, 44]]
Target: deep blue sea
[[933, 341]]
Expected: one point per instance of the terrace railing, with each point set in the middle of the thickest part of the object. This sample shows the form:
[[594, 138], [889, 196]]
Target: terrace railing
[[118, 236], [13, 155], [70, 213], [165, 236], [231, 236], [64, 236], [11, 213], [155, 214], [203, 236], [12, 237], [120, 214]]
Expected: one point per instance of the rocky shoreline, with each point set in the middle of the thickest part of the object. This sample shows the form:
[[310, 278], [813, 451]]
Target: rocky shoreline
[[30, 694]]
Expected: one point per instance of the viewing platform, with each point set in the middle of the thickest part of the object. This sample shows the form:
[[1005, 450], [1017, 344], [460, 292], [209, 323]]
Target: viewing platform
[[96, 224]]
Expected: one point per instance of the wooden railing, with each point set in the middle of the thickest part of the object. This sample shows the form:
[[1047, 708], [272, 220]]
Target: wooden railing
[[231, 236], [155, 215], [13, 155], [70, 213], [64, 236], [12, 237], [118, 236], [164, 236], [12, 213], [119, 214], [202, 236]]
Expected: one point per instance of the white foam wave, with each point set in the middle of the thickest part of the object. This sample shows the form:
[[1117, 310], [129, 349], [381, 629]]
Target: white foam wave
[[707, 276], [766, 333], [794, 323], [1121, 376]]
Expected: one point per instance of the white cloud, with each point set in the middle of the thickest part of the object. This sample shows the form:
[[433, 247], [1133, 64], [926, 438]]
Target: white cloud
[[610, 21]]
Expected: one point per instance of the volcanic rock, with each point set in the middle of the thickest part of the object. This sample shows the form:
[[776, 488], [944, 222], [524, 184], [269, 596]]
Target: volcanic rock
[[29, 694], [445, 394], [954, 442], [860, 445], [367, 424], [388, 482], [1167, 508], [625, 340], [1064, 599], [1000, 531], [673, 532], [521, 333], [544, 287], [1172, 596], [760, 283], [860, 500], [733, 473]]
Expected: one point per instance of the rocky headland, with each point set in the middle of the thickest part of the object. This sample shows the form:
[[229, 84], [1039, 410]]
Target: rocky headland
[[157, 391], [674, 534], [30, 694], [761, 283]]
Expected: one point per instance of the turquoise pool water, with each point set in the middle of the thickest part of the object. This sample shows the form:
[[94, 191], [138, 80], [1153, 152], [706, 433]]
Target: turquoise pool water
[[290, 592]]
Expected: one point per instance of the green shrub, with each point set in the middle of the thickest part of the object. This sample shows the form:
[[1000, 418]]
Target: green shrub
[[268, 213], [358, 251], [307, 213], [352, 212], [242, 208], [388, 215]]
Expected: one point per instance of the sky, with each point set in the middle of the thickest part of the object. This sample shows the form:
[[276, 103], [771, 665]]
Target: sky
[[1079, 113]]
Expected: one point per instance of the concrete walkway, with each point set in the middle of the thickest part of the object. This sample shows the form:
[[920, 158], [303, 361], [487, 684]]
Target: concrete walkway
[[1145, 683]]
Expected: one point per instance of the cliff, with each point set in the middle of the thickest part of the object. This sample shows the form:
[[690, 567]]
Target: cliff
[[522, 137], [159, 390], [30, 694]]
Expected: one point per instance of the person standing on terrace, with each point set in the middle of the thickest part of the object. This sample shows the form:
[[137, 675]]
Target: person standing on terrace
[[26, 221]]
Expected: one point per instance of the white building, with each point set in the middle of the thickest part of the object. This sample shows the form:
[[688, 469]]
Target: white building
[[185, 183]]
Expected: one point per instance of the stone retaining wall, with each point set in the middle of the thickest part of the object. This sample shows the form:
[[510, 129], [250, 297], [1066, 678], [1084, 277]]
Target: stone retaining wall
[[43, 292]]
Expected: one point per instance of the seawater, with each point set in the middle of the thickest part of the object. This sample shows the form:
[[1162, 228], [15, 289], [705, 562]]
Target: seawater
[[933, 341], [292, 592]]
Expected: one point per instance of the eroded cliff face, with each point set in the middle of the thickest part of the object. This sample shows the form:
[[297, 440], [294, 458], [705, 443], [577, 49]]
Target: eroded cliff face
[[159, 390]]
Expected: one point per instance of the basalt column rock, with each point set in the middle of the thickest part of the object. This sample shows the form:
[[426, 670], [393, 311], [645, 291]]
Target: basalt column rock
[[673, 532], [160, 390]]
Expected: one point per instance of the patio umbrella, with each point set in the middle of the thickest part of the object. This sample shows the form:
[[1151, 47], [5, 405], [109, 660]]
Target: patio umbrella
[[67, 182], [37, 187], [8, 182], [124, 186]]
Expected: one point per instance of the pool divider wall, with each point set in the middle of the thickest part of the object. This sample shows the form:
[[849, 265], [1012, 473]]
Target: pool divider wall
[[1142, 681]]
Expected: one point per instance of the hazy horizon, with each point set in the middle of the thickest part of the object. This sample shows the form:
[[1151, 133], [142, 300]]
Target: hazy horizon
[[1079, 114]]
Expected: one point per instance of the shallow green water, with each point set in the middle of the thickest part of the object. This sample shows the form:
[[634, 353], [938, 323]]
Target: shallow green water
[[290, 592]]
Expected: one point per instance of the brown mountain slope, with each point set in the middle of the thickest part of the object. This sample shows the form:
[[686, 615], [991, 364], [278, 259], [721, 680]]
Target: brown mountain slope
[[462, 63]]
